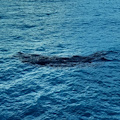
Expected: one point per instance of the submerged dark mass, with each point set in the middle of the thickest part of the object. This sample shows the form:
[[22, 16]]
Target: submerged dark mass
[[62, 61]]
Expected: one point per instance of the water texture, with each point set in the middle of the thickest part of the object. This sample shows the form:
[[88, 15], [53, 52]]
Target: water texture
[[62, 28]]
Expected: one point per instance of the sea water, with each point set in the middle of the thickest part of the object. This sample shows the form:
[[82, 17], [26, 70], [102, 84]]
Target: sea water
[[59, 28]]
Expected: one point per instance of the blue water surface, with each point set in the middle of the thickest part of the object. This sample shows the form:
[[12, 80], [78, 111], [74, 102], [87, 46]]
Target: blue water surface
[[59, 28]]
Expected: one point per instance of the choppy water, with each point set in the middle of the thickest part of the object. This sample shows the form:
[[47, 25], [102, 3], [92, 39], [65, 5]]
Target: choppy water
[[59, 28]]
